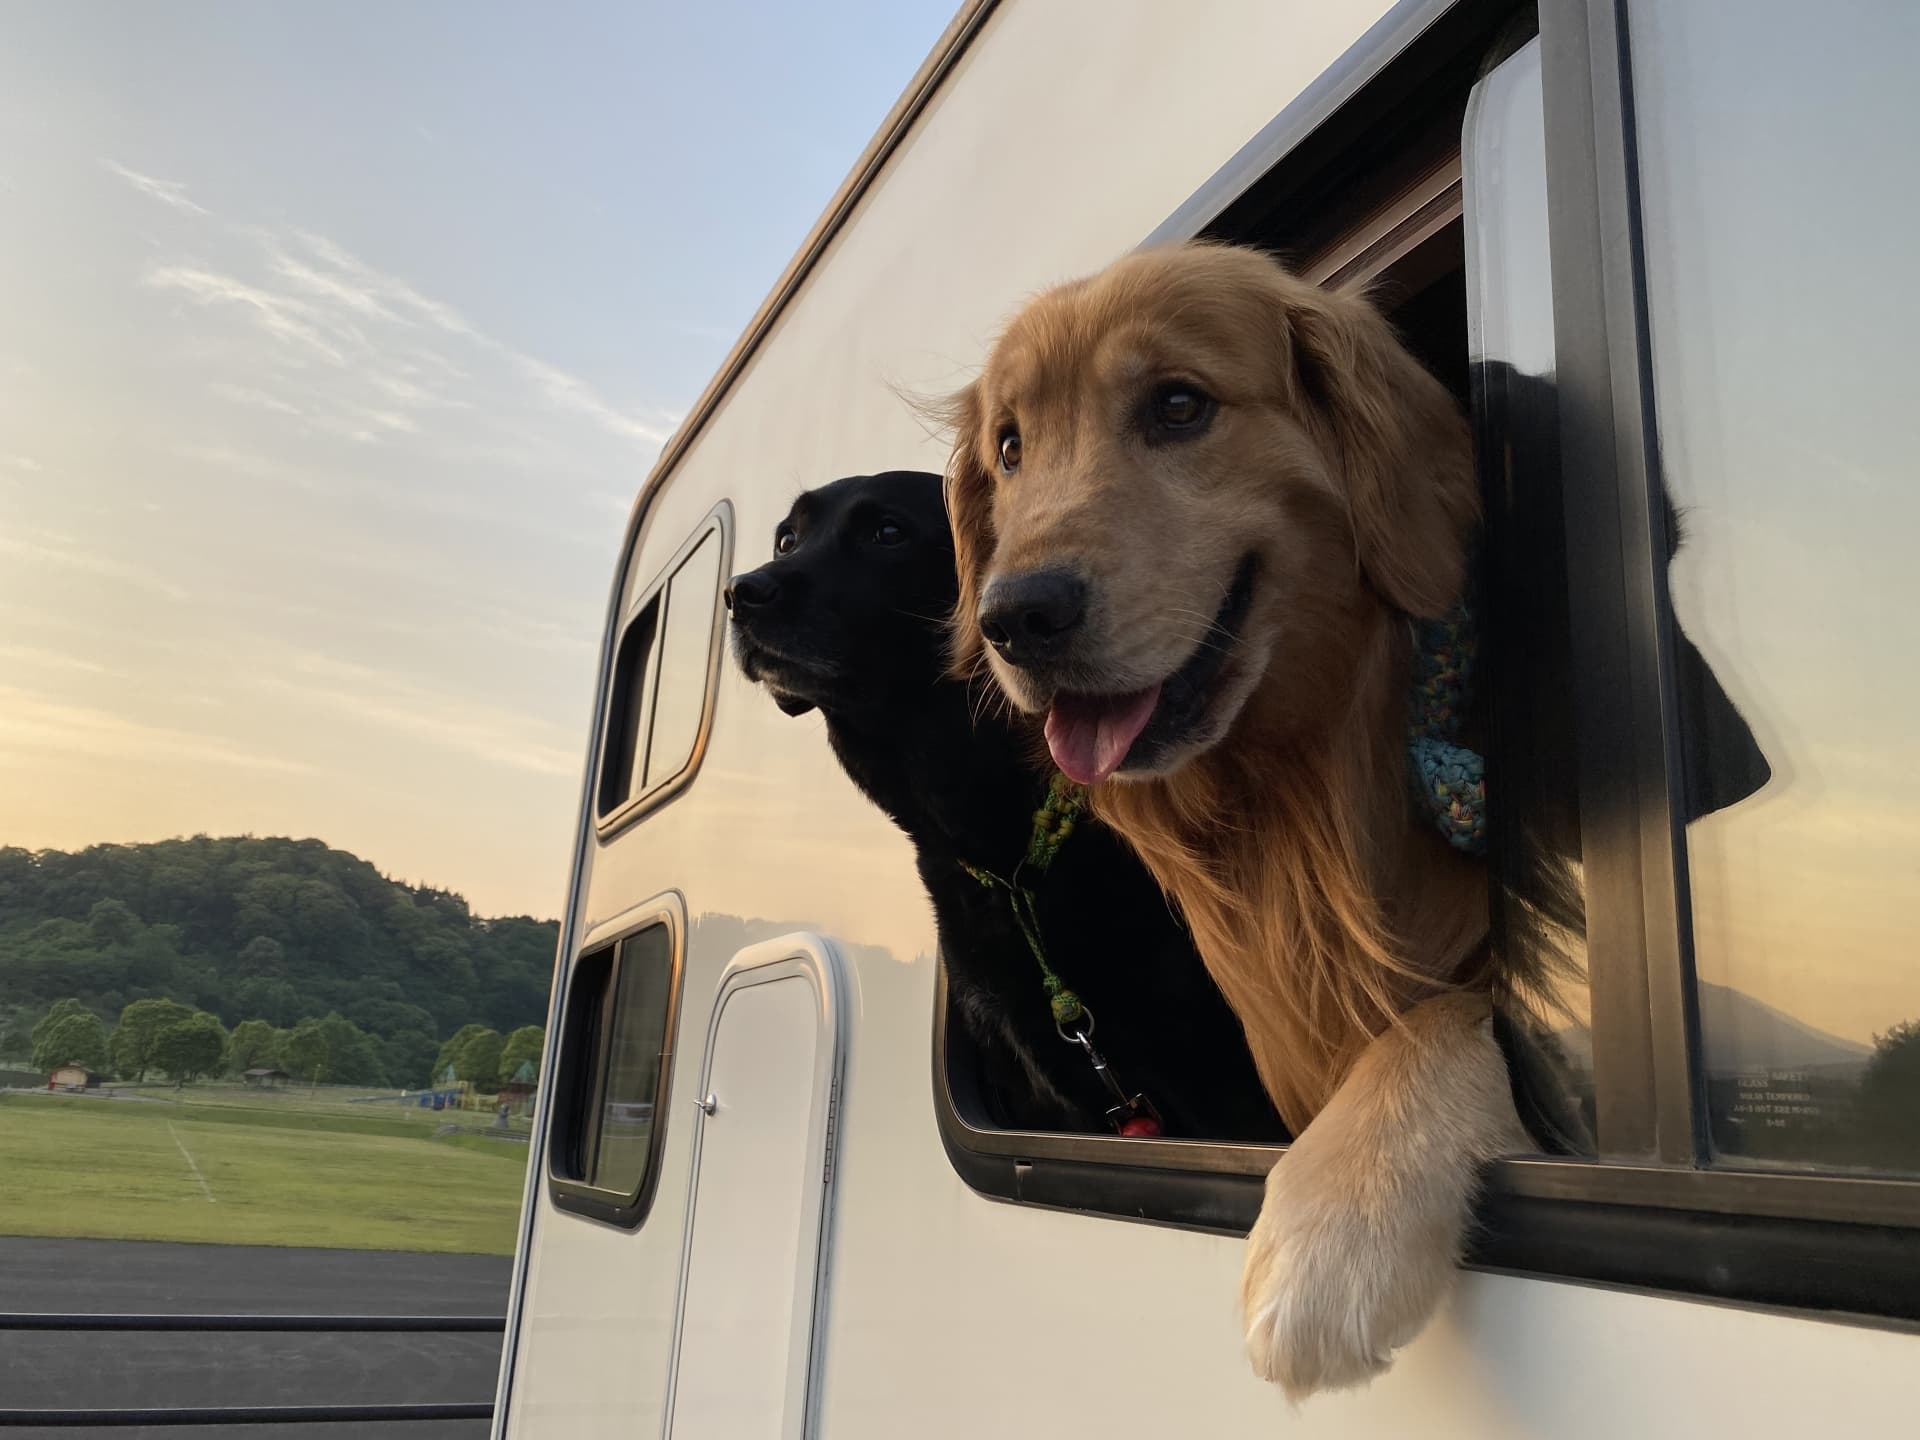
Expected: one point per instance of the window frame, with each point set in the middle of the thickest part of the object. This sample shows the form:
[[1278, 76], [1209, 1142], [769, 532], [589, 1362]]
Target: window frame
[[1647, 1212], [577, 1096], [644, 799]]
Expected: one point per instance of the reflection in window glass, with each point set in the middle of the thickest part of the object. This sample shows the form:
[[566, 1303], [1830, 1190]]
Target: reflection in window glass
[[1535, 849], [685, 651], [1776, 161], [643, 989]]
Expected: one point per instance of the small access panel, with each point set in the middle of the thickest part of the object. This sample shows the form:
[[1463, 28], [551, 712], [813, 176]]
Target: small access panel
[[751, 1286]]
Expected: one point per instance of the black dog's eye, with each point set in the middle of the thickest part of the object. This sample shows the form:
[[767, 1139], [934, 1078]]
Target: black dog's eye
[[784, 539], [888, 533], [1009, 450], [1179, 409]]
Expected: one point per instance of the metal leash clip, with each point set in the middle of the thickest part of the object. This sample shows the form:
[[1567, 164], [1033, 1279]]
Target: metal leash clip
[[1135, 1116]]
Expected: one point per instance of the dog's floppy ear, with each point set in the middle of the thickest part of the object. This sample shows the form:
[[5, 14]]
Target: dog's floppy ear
[[1403, 445], [969, 494]]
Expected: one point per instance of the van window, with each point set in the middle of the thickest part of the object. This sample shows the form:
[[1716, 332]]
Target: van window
[[1782, 308], [1452, 244], [633, 674], [663, 673], [616, 1041], [684, 643]]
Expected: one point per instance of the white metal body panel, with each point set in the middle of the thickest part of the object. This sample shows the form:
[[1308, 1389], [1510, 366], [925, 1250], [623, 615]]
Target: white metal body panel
[[1070, 129]]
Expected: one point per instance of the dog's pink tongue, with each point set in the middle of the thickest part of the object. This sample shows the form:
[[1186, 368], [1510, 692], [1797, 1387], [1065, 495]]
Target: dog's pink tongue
[[1090, 735]]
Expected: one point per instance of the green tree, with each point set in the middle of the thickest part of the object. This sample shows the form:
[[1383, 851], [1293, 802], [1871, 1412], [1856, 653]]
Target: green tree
[[41, 1036], [139, 1028], [111, 922], [529, 1042], [449, 1056], [262, 955], [335, 1051], [190, 1048], [262, 928], [70, 1038], [307, 1052], [382, 1016], [1887, 1111], [16, 1032], [60, 1009], [269, 998], [408, 1058], [254, 1043], [478, 1062]]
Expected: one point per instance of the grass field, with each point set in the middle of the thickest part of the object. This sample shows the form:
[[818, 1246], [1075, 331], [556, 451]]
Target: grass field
[[225, 1166]]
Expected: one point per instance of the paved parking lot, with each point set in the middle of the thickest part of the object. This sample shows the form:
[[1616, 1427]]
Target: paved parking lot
[[105, 1369]]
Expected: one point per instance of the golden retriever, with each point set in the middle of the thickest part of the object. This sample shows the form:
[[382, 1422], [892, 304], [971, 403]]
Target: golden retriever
[[1196, 502]]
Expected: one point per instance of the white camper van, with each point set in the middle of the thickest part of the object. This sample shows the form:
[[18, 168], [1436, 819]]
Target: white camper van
[[1663, 249]]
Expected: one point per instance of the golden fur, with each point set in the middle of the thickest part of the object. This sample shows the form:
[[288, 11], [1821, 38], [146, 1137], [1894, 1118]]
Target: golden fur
[[1344, 934]]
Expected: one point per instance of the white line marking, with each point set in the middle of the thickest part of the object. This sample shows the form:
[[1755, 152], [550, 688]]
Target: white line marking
[[188, 1157]]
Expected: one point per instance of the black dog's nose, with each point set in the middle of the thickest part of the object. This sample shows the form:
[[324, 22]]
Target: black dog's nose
[[1030, 618], [750, 591]]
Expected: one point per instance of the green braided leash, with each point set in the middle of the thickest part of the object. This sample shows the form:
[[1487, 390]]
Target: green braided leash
[[1053, 822]]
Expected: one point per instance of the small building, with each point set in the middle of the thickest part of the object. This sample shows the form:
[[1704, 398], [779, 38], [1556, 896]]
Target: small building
[[519, 1087], [265, 1075], [72, 1077]]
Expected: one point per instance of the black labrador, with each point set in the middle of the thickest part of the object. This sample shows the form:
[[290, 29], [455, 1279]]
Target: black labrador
[[849, 618]]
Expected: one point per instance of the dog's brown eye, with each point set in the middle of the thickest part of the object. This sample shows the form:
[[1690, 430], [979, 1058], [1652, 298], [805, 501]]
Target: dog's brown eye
[[784, 539], [1009, 450], [888, 533], [1180, 407]]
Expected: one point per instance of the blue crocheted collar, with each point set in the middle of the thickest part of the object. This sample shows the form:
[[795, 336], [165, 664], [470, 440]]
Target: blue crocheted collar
[[1449, 781]]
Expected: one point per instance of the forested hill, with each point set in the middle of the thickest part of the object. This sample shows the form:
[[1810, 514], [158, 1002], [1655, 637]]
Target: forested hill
[[269, 929]]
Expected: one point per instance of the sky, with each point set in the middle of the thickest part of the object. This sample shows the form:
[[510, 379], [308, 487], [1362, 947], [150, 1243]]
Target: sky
[[334, 345]]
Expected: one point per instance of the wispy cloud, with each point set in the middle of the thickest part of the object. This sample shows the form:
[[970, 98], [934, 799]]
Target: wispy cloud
[[403, 354], [281, 316], [253, 466], [568, 392], [167, 192], [39, 659], [64, 552], [395, 702], [33, 724], [248, 395], [400, 385], [353, 277]]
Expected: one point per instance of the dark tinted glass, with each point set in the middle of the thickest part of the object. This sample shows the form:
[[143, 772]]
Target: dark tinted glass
[[633, 668], [637, 1035]]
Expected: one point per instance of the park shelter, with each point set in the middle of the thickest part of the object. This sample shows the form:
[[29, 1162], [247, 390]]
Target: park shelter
[[521, 1084]]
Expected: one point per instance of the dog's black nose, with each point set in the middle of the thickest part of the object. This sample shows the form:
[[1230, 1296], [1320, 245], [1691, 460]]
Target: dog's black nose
[[751, 590], [1031, 618]]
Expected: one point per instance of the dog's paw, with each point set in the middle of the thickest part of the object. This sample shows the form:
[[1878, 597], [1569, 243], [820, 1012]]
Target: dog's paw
[[1346, 1262], [1366, 1214], [1342, 1272]]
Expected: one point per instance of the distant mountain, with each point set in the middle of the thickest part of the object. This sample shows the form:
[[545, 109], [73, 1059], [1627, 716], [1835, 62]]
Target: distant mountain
[[1743, 1033], [263, 928]]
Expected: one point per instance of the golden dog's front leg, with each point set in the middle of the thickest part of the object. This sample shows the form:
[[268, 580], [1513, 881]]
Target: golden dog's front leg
[[1364, 1217]]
